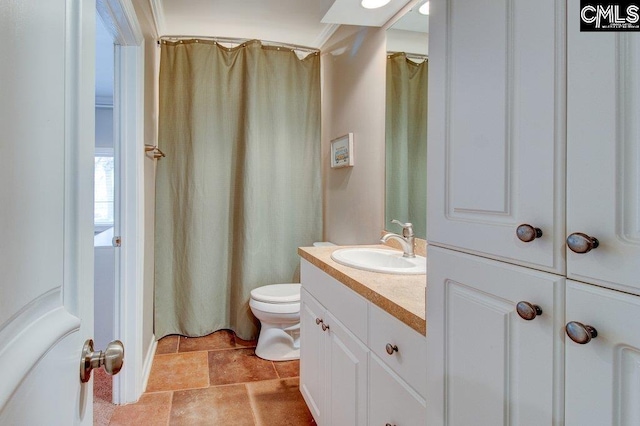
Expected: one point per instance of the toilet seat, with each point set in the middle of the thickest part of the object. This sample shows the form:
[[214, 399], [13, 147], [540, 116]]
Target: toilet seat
[[277, 293]]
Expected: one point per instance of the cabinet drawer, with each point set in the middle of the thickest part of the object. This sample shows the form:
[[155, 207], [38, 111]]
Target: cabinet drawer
[[391, 400], [346, 305], [409, 361]]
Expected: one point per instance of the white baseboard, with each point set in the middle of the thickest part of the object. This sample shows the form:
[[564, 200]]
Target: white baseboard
[[148, 362]]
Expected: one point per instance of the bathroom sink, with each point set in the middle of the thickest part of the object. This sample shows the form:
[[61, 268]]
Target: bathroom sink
[[380, 260]]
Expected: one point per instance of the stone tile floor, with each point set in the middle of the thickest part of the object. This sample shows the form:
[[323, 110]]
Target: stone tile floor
[[211, 380]]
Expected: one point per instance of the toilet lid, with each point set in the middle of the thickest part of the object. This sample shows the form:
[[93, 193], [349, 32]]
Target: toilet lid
[[277, 293]]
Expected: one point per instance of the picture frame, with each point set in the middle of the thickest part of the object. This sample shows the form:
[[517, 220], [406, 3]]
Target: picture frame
[[342, 151]]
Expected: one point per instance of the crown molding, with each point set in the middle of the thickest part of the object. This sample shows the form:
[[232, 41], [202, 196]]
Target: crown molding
[[325, 35], [158, 16]]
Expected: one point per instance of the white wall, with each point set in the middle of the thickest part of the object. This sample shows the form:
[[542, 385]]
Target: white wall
[[407, 41], [353, 98]]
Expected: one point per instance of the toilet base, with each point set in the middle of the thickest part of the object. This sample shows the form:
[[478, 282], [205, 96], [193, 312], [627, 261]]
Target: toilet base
[[278, 343]]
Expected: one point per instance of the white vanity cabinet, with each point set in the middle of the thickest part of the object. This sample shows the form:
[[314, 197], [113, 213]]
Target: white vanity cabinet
[[391, 400], [397, 371], [487, 364], [334, 361], [348, 376], [496, 135]]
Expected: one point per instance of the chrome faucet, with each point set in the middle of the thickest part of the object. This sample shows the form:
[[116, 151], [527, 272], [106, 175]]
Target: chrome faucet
[[405, 240]]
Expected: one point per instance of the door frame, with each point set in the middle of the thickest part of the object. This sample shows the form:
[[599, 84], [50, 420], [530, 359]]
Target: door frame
[[128, 112]]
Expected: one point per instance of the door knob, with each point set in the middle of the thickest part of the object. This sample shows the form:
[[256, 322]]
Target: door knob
[[580, 333], [111, 359], [581, 243], [528, 311], [527, 233]]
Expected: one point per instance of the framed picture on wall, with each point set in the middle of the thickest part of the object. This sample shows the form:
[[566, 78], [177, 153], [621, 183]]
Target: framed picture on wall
[[342, 151]]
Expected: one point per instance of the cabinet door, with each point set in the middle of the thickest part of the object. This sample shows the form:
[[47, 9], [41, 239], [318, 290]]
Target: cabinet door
[[312, 355], [496, 128], [485, 364], [392, 400], [346, 375], [603, 154], [603, 376]]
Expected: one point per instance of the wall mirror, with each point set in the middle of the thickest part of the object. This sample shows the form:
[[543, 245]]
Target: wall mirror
[[406, 120]]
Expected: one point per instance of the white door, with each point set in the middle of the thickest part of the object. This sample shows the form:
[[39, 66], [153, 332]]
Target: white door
[[603, 375], [46, 209], [496, 132], [345, 375], [603, 154], [486, 365], [312, 373]]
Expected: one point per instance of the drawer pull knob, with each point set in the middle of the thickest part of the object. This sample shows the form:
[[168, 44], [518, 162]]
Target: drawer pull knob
[[527, 233], [319, 321], [581, 243], [528, 311], [580, 333], [391, 348], [325, 327], [389, 424]]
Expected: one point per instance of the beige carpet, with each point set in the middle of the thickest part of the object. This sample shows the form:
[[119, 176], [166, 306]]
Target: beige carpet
[[102, 407]]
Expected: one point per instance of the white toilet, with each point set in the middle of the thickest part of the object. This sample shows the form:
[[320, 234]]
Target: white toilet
[[277, 306]]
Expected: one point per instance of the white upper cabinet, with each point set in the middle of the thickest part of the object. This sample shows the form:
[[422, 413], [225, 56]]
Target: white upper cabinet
[[496, 132], [603, 155]]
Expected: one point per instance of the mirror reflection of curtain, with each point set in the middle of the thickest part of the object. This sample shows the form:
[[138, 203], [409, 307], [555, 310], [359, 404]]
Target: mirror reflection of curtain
[[239, 189], [406, 142]]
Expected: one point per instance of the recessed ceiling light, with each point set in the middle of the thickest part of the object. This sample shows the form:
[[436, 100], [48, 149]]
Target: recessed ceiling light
[[424, 9], [374, 4]]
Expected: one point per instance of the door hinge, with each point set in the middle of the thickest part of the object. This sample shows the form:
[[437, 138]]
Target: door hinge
[[117, 241]]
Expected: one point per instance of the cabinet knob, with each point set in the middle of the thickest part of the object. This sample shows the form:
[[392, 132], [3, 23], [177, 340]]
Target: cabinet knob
[[319, 321], [581, 243], [528, 311], [391, 348], [527, 233], [580, 333], [389, 424], [325, 327]]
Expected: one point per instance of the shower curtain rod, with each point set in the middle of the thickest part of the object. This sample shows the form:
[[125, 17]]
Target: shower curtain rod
[[411, 55], [239, 41]]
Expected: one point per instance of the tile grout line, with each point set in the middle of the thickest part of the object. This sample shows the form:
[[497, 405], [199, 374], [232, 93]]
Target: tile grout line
[[253, 410], [219, 349], [170, 408], [208, 372]]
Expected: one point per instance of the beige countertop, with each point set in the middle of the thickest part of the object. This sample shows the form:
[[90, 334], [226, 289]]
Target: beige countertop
[[402, 296]]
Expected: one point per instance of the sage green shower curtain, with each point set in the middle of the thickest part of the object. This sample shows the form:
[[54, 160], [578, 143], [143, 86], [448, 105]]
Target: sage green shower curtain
[[239, 189], [406, 141]]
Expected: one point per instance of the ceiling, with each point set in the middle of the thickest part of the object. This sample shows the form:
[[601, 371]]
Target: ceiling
[[302, 22]]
